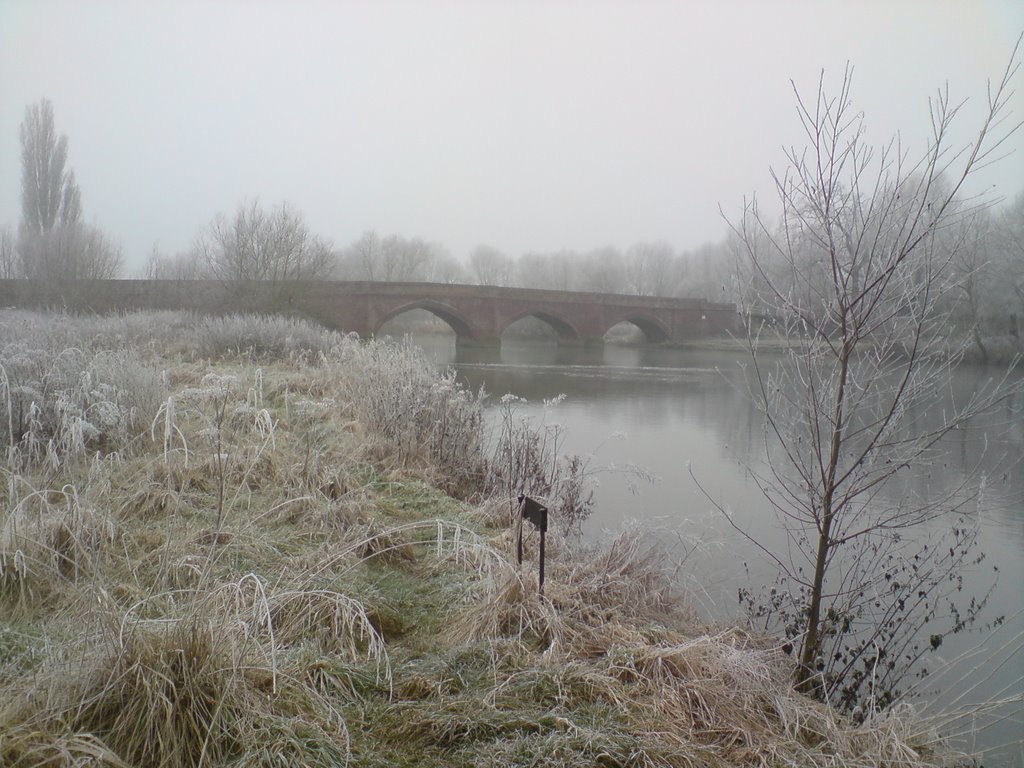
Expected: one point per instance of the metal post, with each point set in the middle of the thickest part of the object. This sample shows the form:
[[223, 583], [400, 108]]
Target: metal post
[[543, 533], [519, 541], [537, 514]]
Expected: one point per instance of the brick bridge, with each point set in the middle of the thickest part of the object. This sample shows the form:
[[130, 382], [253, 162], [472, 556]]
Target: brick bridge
[[477, 314]]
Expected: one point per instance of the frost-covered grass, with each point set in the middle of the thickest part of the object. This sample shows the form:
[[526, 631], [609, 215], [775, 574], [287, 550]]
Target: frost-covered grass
[[246, 541]]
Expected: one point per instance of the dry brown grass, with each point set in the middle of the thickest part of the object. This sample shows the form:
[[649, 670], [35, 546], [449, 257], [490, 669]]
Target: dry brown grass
[[51, 539], [614, 631], [194, 686], [260, 574]]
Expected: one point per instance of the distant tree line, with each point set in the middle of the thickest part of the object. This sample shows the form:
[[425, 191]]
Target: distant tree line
[[256, 242], [276, 244], [980, 248]]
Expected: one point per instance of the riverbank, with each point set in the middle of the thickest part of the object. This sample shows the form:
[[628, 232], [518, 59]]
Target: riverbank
[[249, 542], [999, 351]]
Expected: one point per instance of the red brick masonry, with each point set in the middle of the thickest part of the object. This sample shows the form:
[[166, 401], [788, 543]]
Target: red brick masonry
[[477, 314]]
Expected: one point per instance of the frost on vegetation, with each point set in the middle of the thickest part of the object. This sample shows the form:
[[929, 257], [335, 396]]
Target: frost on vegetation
[[210, 679], [527, 457], [263, 337], [425, 418], [47, 538], [422, 417], [57, 405], [73, 384], [313, 409], [255, 635], [212, 388], [163, 332]]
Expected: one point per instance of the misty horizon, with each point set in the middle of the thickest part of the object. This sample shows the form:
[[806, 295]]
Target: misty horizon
[[527, 127]]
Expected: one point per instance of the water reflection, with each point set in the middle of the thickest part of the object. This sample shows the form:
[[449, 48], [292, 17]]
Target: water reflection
[[686, 412], [682, 407]]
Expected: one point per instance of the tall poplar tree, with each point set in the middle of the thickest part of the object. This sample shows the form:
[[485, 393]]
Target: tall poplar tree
[[49, 193], [53, 242]]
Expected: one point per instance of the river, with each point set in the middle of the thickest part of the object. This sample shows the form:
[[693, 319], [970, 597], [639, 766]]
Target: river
[[683, 417]]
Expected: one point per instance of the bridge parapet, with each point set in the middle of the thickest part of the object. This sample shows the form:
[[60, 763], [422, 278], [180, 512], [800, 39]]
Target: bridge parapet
[[477, 314]]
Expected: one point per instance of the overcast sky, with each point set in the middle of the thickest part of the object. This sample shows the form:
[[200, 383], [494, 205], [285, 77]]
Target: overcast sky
[[530, 126]]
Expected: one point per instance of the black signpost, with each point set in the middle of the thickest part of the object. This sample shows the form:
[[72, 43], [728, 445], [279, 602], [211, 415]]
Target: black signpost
[[537, 514]]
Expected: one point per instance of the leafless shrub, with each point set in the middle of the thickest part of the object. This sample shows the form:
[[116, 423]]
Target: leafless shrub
[[857, 277], [528, 459]]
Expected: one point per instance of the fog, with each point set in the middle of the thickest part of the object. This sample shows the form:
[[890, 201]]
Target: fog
[[527, 126]]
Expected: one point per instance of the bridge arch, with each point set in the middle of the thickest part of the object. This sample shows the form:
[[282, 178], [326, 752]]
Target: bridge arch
[[565, 330], [455, 320], [653, 330]]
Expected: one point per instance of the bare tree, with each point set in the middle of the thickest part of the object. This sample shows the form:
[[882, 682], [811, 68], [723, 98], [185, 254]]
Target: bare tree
[[390, 259], [489, 266], [49, 194], [8, 256], [706, 271], [443, 268], [855, 274], [405, 260], [1008, 250], [969, 243], [603, 271], [257, 244], [556, 271], [73, 251], [53, 243], [361, 260], [647, 269], [185, 265]]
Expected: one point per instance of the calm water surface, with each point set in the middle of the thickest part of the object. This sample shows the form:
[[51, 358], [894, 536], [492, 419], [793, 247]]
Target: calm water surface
[[683, 416]]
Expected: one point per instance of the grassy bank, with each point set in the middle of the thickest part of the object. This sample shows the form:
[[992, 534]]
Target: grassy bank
[[234, 542]]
